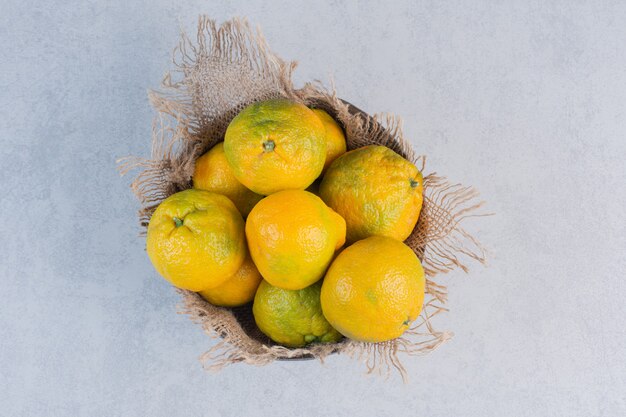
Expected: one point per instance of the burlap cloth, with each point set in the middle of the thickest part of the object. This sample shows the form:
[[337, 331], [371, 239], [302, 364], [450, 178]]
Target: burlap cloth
[[226, 68]]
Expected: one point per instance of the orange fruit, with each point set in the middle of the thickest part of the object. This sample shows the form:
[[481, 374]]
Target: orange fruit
[[376, 191], [292, 317], [196, 239], [276, 145], [335, 139], [212, 173], [373, 290], [292, 236], [238, 289]]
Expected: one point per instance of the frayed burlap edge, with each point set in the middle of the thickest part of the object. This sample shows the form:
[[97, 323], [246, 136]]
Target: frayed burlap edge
[[229, 67]]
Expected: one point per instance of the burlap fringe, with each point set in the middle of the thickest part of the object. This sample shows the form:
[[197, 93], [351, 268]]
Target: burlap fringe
[[224, 70]]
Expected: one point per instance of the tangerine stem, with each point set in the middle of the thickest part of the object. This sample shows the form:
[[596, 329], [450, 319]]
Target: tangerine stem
[[269, 145]]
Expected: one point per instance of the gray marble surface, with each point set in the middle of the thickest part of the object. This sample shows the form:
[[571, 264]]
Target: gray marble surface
[[524, 100]]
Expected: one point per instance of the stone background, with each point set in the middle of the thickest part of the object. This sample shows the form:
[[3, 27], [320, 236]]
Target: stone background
[[525, 100]]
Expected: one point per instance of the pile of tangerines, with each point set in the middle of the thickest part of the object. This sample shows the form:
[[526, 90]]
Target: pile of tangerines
[[281, 215]]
